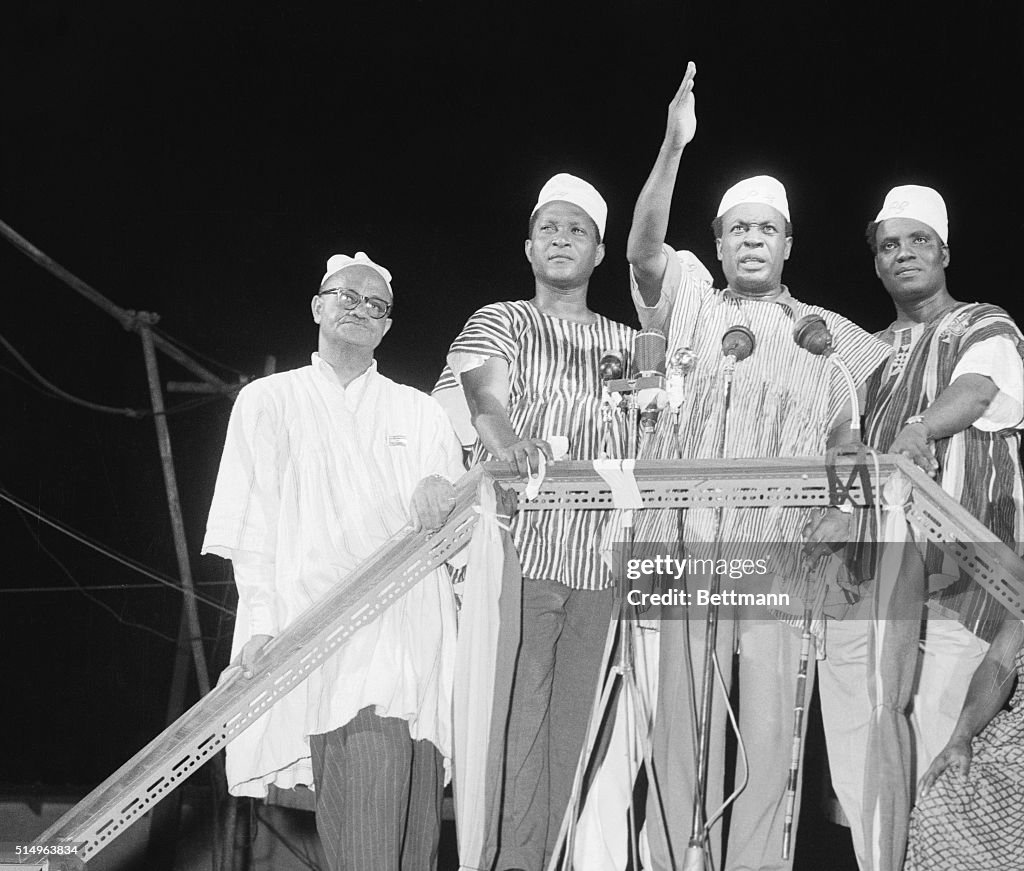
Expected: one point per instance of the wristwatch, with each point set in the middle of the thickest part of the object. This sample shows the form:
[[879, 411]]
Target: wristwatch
[[917, 418]]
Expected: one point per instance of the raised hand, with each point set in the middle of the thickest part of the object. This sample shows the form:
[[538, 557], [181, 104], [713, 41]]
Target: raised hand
[[682, 112]]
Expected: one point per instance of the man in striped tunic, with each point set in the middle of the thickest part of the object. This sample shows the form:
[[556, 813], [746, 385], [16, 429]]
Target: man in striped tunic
[[951, 398], [785, 402], [530, 370], [321, 466]]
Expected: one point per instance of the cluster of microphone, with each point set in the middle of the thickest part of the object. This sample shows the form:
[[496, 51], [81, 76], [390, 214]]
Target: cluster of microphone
[[657, 379]]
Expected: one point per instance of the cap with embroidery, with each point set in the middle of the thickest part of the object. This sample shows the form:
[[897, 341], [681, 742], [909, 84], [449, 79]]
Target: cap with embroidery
[[757, 189], [921, 203], [570, 189]]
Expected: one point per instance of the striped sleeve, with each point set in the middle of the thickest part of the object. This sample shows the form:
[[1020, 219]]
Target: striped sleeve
[[450, 396], [488, 333], [684, 274], [993, 346], [998, 359], [861, 351]]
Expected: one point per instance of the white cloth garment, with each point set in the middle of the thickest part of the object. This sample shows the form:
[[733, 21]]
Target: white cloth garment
[[314, 478]]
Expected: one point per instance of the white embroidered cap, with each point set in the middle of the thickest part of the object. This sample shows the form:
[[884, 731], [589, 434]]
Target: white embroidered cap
[[337, 262], [570, 189], [757, 189], [916, 201]]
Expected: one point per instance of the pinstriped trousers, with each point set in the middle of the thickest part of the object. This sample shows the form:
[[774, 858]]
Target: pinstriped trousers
[[378, 796]]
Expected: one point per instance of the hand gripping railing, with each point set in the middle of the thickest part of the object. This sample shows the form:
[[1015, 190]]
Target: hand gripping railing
[[288, 659]]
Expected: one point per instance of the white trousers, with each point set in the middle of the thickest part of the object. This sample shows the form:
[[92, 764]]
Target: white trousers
[[949, 656]]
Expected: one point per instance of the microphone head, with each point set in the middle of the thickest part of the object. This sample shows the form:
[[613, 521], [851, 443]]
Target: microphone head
[[812, 334], [738, 342], [681, 362], [610, 366], [649, 348]]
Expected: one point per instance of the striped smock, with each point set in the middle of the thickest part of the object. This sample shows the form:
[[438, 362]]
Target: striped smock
[[554, 389], [978, 466], [784, 402]]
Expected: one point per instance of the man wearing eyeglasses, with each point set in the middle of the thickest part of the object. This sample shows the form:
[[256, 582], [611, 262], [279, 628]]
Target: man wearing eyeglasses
[[323, 465]]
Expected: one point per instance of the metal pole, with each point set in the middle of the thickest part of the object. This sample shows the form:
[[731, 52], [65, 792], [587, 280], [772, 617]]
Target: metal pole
[[694, 858], [126, 318], [190, 611], [174, 503]]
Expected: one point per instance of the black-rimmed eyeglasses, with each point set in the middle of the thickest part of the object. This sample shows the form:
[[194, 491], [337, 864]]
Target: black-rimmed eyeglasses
[[376, 307]]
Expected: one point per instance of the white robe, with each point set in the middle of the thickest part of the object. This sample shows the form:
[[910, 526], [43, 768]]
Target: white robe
[[313, 479]]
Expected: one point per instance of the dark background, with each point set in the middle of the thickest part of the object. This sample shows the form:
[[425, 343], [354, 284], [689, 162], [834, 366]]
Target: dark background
[[203, 164]]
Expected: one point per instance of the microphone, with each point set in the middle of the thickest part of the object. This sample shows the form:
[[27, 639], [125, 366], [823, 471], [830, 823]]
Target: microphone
[[679, 365], [813, 335], [609, 368], [610, 365], [649, 349], [651, 405], [737, 343]]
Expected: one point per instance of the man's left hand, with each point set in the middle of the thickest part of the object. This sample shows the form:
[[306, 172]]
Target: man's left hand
[[432, 502]]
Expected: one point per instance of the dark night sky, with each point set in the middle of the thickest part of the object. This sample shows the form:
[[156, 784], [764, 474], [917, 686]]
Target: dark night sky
[[203, 165]]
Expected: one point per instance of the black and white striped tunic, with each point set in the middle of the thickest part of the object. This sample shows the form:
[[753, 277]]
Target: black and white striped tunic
[[784, 401], [554, 389]]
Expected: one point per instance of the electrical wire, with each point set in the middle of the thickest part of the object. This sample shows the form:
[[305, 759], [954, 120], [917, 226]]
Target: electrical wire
[[85, 592], [128, 562], [126, 587], [68, 397], [741, 749], [48, 388], [28, 382], [184, 347]]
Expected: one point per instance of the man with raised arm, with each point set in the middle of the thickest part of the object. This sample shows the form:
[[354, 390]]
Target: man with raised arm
[[323, 465], [785, 402], [530, 370]]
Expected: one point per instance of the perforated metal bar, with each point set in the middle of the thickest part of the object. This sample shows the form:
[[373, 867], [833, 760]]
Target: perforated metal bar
[[692, 483], [992, 565], [236, 702], [233, 705]]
